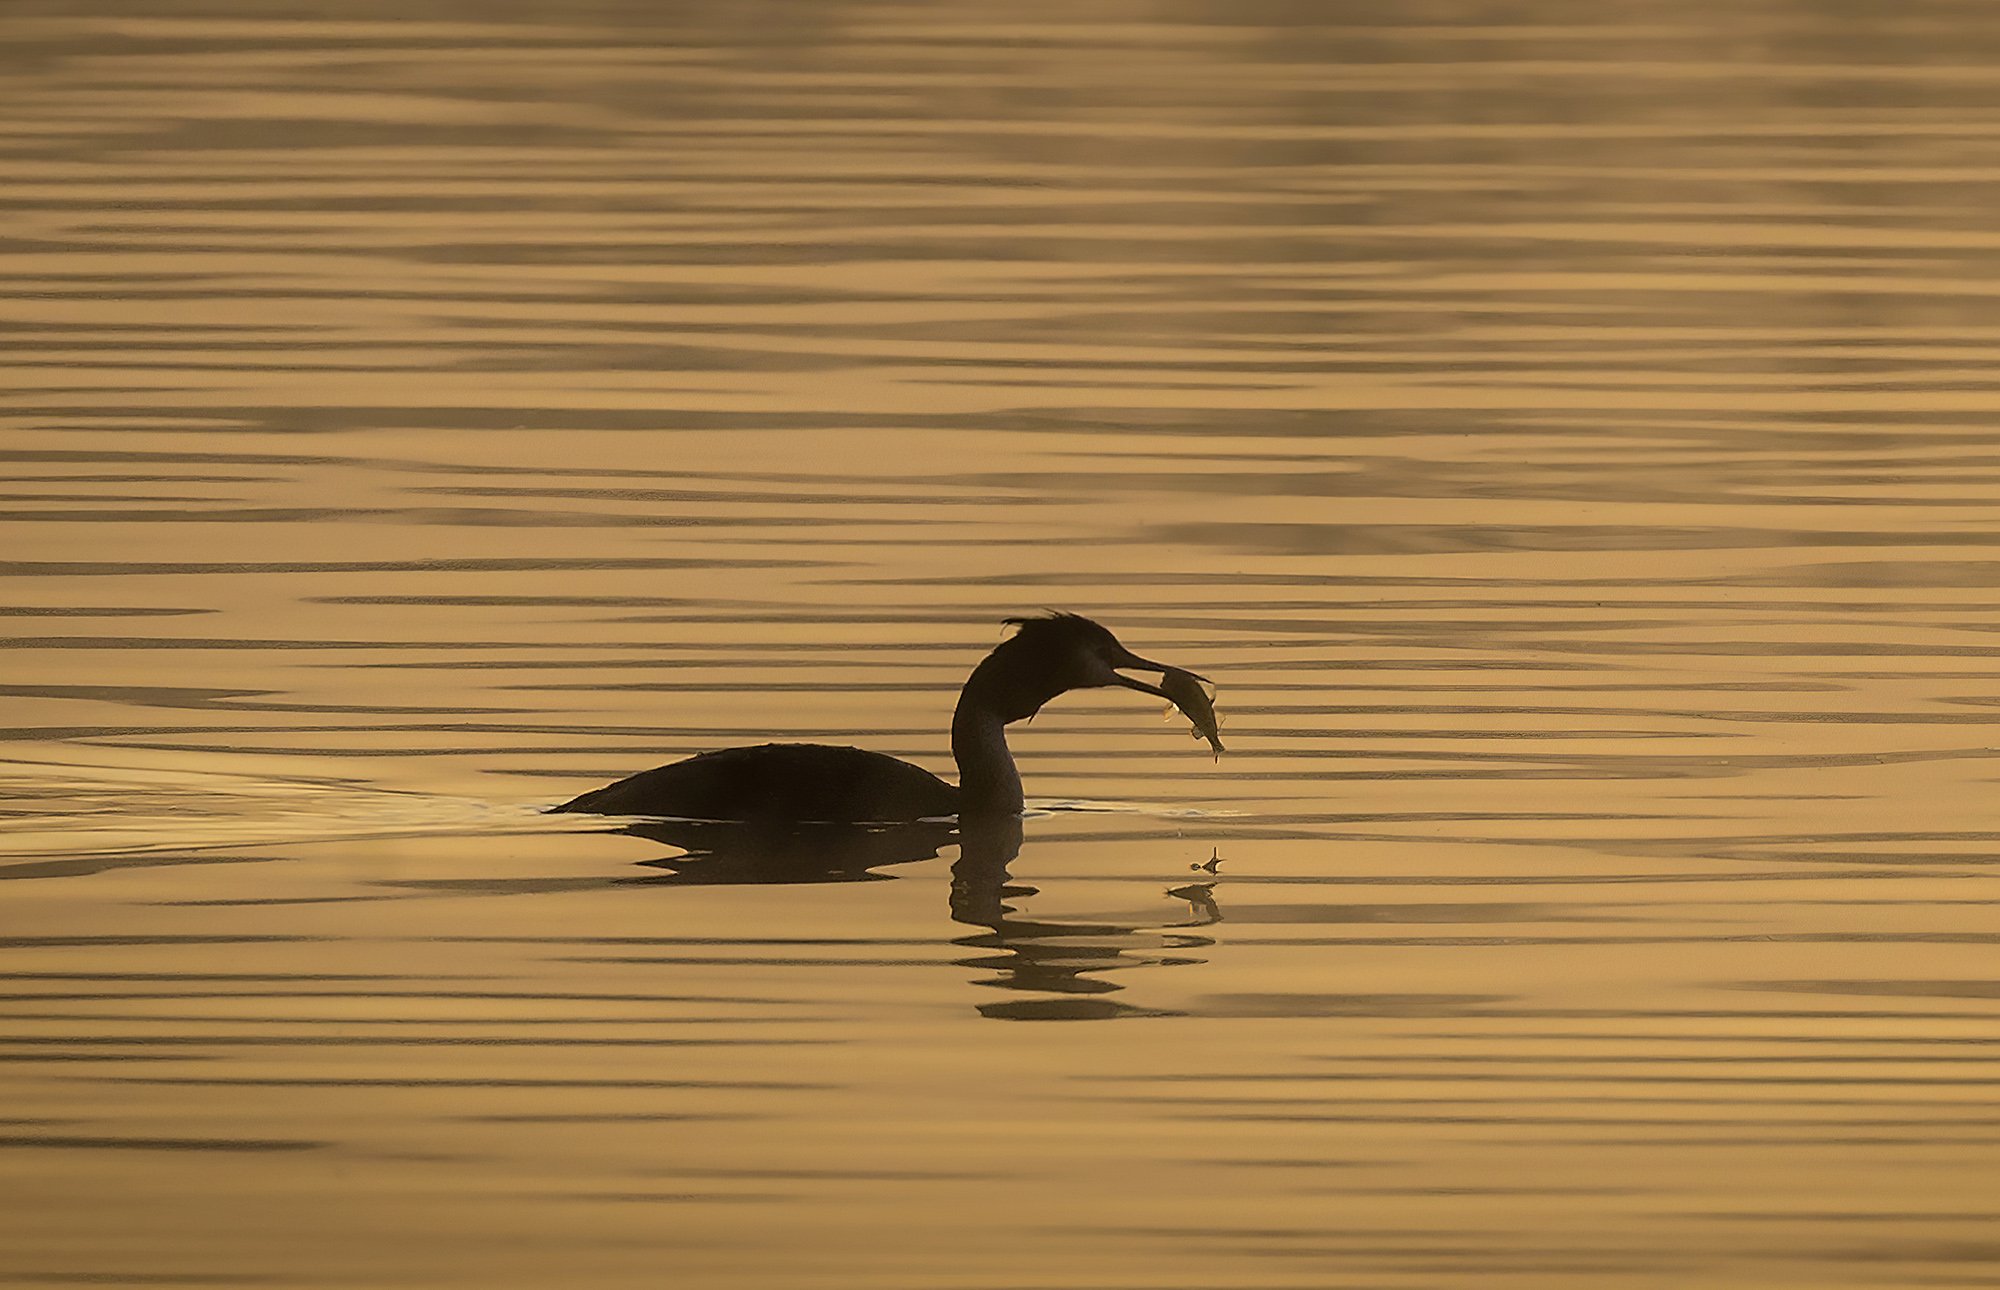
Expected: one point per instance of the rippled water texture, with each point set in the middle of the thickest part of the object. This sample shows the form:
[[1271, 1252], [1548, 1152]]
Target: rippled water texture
[[1566, 431]]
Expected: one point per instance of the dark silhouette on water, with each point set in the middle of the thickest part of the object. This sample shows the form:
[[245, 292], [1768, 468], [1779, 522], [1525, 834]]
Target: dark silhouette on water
[[1051, 969], [788, 853], [817, 782], [1046, 969]]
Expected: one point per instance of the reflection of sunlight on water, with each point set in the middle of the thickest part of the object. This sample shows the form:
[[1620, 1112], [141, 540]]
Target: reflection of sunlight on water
[[68, 804], [1083, 806], [1565, 432]]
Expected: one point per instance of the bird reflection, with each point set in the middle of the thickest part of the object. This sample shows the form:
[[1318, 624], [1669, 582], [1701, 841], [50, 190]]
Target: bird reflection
[[1062, 963], [776, 853], [1053, 970]]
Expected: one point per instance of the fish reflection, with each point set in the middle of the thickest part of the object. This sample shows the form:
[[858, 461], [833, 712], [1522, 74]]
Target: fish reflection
[[1060, 967]]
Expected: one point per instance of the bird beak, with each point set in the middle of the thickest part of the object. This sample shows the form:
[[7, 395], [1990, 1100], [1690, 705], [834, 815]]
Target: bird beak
[[1191, 692], [1130, 662]]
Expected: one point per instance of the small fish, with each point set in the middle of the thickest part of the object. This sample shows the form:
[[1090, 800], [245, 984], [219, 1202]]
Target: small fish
[[1196, 704]]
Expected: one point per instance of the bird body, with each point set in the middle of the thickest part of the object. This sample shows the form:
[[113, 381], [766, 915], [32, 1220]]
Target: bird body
[[819, 782], [823, 783]]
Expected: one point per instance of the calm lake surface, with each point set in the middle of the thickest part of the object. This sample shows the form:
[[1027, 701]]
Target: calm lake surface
[[1569, 433]]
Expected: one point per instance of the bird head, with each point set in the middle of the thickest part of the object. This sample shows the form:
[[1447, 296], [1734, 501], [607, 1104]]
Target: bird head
[[1053, 654]]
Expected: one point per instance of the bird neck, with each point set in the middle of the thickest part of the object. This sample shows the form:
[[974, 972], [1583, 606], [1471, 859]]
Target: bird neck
[[988, 783]]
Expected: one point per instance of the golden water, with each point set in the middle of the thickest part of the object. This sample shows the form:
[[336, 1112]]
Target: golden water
[[1566, 431]]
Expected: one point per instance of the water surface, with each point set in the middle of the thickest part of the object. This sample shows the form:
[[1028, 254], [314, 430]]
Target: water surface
[[1565, 431]]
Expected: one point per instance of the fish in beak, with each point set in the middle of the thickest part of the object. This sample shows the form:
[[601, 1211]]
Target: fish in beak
[[1185, 690]]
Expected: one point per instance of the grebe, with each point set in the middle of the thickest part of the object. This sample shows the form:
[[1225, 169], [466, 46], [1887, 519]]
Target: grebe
[[816, 782]]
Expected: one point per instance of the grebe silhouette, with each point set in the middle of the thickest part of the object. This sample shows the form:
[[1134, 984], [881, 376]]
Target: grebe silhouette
[[1048, 656]]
